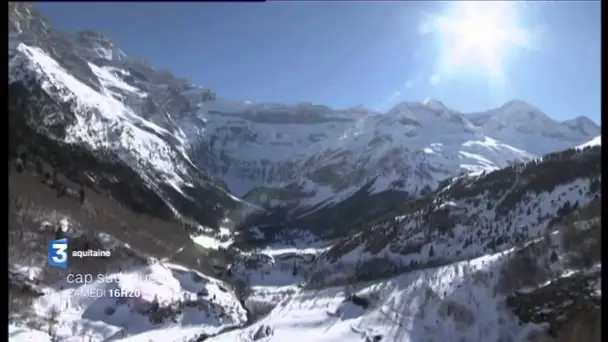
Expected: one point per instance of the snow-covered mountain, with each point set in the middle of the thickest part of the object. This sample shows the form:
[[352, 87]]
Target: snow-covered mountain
[[331, 153], [323, 155], [524, 126], [474, 215], [81, 89]]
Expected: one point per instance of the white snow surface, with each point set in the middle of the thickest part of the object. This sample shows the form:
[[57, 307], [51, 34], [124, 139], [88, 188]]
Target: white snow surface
[[411, 307], [110, 124], [166, 282], [20, 333], [597, 141]]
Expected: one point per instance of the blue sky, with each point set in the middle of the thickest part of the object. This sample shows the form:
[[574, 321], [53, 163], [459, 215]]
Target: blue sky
[[344, 54]]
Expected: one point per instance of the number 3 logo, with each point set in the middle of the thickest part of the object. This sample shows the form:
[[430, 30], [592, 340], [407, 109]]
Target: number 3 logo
[[57, 253]]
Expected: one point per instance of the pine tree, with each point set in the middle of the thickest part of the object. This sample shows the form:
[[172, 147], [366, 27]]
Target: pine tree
[[39, 167], [81, 195], [19, 166], [553, 256], [155, 304]]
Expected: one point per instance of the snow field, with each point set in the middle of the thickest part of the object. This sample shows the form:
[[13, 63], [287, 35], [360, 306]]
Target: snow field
[[443, 303], [100, 318]]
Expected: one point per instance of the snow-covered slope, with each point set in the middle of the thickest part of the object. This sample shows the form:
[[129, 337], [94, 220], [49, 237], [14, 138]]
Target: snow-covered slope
[[122, 305], [461, 301], [81, 89], [112, 125], [419, 306], [472, 216], [582, 124], [597, 141]]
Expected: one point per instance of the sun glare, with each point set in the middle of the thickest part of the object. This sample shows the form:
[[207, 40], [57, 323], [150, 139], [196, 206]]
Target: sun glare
[[479, 33]]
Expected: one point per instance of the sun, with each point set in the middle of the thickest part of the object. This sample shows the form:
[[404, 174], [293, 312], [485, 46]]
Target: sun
[[478, 34]]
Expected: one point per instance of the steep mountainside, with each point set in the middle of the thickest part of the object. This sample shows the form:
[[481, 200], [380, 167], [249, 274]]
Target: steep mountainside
[[475, 215], [118, 212], [69, 88]]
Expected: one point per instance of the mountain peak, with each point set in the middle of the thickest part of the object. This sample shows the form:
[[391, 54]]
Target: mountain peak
[[90, 34], [99, 45], [428, 103], [582, 124], [434, 104], [582, 120], [519, 106]]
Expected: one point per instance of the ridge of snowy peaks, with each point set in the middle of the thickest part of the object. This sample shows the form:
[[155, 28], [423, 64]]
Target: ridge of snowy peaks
[[112, 102], [524, 126], [414, 145], [329, 154]]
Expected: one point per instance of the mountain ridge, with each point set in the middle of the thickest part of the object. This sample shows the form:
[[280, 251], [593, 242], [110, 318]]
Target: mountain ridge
[[327, 154]]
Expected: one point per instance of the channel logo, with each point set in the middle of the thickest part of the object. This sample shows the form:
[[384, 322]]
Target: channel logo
[[57, 253]]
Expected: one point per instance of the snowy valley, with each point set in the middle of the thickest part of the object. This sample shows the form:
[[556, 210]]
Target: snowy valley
[[237, 221]]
